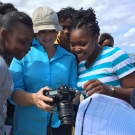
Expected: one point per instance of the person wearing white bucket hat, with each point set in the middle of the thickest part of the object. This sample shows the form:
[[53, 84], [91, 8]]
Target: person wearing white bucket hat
[[45, 18], [44, 65]]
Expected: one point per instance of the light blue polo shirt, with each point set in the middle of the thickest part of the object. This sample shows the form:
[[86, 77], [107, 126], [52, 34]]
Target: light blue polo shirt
[[34, 72]]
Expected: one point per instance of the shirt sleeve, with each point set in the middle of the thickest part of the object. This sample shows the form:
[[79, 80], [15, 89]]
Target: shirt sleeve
[[6, 86], [73, 74], [122, 63], [16, 71], [2, 72]]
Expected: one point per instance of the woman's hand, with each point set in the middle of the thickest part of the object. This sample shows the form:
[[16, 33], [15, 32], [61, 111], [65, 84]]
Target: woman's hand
[[76, 98], [39, 100], [95, 86]]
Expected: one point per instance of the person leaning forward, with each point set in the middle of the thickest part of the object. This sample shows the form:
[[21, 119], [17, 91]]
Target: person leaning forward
[[45, 67]]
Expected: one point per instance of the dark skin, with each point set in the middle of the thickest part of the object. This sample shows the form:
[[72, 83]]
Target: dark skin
[[66, 24], [16, 43], [63, 38], [85, 47], [107, 42]]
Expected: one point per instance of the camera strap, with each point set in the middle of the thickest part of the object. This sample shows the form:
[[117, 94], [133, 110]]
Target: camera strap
[[49, 127]]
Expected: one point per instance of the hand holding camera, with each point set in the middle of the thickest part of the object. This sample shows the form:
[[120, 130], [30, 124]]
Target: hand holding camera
[[40, 100], [63, 97]]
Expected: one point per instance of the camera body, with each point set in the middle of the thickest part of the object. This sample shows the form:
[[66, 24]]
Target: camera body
[[63, 97]]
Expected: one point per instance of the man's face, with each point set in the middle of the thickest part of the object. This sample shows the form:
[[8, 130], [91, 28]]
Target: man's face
[[66, 24]]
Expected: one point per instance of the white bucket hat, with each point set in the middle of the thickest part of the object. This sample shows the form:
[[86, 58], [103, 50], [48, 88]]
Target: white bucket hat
[[45, 18]]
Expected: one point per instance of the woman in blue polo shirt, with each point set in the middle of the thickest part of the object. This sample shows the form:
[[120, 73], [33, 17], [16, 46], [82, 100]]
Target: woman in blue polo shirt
[[45, 65]]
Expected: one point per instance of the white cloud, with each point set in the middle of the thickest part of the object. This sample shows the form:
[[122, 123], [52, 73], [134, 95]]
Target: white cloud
[[116, 17], [132, 45], [130, 33], [126, 39], [107, 28]]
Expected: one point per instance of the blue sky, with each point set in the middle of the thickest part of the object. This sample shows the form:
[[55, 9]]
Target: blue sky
[[116, 17]]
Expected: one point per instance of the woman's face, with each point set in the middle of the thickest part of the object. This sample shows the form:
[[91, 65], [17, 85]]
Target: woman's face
[[82, 43], [17, 42], [46, 38]]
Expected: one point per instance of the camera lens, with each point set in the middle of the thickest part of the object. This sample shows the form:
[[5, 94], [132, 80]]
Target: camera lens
[[65, 113]]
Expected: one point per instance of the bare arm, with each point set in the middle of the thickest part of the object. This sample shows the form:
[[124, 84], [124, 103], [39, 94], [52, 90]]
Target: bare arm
[[23, 98], [128, 83]]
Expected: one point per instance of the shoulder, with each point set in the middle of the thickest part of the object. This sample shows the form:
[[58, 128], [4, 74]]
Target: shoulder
[[4, 72], [63, 51], [3, 65], [113, 50], [114, 53], [32, 55]]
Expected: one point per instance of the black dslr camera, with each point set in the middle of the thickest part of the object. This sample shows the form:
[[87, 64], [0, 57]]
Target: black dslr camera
[[63, 97]]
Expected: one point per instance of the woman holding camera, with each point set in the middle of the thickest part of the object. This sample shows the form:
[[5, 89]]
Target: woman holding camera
[[45, 65]]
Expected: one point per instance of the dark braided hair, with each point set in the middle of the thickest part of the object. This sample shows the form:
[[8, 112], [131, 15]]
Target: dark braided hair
[[65, 13], [10, 17], [86, 19], [105, 36]]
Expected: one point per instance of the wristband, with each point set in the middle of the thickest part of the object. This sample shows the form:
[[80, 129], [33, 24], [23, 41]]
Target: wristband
[[111, 89]]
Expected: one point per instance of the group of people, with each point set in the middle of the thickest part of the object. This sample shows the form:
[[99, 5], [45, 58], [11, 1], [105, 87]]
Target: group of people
[[50, 50]]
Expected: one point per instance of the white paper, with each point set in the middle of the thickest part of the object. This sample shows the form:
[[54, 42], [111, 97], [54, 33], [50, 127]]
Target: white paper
[[105, 116]]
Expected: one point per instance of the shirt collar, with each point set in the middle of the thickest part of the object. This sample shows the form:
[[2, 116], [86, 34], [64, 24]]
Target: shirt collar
[[59, 50], [35, 42]]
